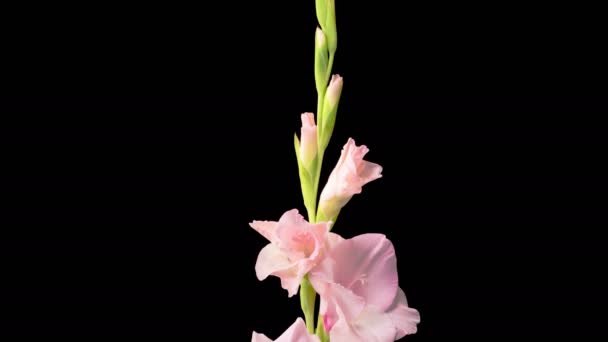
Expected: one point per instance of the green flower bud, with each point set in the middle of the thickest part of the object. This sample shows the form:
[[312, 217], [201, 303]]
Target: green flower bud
[[321, 61], [330, 108]]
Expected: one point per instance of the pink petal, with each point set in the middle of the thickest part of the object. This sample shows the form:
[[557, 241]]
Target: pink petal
[[255, 337], [370, 326], [339, 303], [345, 153], [295, 333], [266, 228], [404, 318], [369, 171], [302, 240], [365, 264], [308, 120], [332, 240], [292, 231], [292, 217], [272, 261]]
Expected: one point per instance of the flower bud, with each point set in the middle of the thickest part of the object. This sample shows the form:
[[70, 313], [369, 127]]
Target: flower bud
[[326, 15], [308, 143], [330, 108], [321, 61], [332, 97], [330, 26]]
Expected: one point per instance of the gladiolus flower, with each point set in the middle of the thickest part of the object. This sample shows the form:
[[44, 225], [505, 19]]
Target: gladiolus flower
[[347, 179], [360, 295], [295, 247]]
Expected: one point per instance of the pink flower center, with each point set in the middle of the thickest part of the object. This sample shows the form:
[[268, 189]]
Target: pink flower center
[[328, 322], [304, 241]]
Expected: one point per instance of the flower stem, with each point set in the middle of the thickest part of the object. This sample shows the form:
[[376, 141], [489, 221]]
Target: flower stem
[[330, 64], [307, 292], [320, 331], [307, 301]]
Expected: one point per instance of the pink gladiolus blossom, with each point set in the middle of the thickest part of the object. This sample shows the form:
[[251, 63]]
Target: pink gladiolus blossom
[[295, 247], [347, 179], [360, 295], [296, 333]]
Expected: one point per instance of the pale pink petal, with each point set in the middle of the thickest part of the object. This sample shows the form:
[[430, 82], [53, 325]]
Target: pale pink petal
[[404, 318], [272, 261], [290, 281], [266, 228], [320, 231], [255, 337], [340, 303], [297, 333], [302, 239], [344, 154], [322, 275], [369, 171], [292, 217], [370, 326], [365, 264], [308, 119], [333, 239]]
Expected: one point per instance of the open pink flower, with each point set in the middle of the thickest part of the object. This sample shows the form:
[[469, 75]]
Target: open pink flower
[[360, 295], [295, 247], [347, 178], [296, 333]]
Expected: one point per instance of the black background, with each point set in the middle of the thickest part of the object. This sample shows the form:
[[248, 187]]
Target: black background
[[140, 142]]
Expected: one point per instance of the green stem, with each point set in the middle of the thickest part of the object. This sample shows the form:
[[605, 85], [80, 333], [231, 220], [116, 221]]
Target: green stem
[[307, 301], [316, 182], [330, 64], [307, 292], [320, 331], [311, 211], [320, 97]]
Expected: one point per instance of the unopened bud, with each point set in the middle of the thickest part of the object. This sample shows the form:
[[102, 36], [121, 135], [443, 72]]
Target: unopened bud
[[330, 26], [321, 60], [308, 144], [332, 97], [330, 109]]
